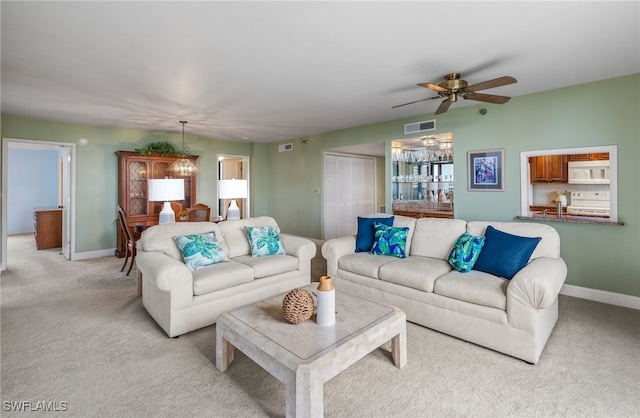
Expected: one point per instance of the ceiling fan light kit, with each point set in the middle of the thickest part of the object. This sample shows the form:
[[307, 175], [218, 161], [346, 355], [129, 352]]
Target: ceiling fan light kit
[[454, 87]]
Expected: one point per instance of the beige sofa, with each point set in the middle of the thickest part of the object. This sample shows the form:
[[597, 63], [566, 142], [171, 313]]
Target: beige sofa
[[181, 300], [513, 316]]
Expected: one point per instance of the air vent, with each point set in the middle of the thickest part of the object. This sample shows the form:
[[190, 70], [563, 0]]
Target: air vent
[[285, 147], [424, 126]]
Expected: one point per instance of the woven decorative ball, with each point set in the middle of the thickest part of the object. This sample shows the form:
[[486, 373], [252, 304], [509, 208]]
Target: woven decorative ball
[[297, 306]]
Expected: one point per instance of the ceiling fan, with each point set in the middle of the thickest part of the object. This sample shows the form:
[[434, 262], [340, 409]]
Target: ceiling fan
[[453, 87]]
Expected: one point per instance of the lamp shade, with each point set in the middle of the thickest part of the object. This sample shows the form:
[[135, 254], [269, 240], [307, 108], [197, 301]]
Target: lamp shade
[[232, 189], [432, 186], [163, 190]]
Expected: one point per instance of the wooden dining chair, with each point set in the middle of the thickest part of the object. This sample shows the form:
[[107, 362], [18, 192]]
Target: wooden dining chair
[[130, 240], [198, 213], [177, 208]]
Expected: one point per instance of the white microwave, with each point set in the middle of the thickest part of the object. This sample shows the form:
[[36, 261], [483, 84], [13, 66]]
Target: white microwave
[[589, 172]]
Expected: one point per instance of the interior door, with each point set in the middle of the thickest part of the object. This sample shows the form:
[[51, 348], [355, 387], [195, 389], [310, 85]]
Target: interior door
[[349, 192], [64, 158]]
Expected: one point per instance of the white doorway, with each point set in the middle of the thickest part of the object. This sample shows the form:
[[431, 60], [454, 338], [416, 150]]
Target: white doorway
[[349, 192], [66, 192], [233, 167]]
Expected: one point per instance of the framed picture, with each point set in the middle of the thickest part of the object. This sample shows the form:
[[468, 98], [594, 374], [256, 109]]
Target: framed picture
[[485, 170]]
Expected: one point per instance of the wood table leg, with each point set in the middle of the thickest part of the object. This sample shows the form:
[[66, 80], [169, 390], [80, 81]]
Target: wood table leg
[[399, 349], [224, 352], [139, 283]]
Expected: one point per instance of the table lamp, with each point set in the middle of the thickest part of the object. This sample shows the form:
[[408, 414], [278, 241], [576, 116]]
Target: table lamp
[[232, 189], [164, 190]]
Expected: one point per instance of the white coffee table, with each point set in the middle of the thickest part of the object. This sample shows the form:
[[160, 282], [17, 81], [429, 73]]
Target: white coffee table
[[306, 355]]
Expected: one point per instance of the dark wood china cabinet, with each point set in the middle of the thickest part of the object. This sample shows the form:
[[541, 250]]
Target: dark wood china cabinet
[[133, 172]]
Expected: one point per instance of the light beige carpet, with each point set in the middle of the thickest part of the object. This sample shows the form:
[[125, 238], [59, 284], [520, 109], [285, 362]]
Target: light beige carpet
[[75, 332]]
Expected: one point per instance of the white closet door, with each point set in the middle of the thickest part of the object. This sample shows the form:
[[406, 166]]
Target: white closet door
[[349, 192]]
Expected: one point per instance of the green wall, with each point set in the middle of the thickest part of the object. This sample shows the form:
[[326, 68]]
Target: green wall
[[288, 185], [594, 114], [96, 169]]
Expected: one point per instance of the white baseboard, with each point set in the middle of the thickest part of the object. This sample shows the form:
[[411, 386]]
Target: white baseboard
[[93, 254], [603, 296]]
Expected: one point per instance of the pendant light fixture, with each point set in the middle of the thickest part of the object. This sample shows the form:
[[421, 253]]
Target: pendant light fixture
[[183, 167]]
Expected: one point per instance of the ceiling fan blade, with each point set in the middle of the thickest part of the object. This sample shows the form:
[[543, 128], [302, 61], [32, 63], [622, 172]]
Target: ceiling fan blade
[[489, 98], [444, 106], [496, 82], [433, 87], [416, 101]]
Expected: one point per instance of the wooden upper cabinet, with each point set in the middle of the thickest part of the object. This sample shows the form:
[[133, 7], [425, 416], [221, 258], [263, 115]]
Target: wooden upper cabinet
[[549, 168], [133, 172], [589, 157]]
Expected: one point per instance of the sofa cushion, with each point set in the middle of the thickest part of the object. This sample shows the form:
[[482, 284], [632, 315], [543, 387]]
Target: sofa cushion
[[435, 237], [200, 250], [364, 263], [504, 254], [474, 287], [220, 276], [264, 240], [390, 240], [236, 237], [365, 236], [415, 272], [160, 238], [465, 252], [269, 265]]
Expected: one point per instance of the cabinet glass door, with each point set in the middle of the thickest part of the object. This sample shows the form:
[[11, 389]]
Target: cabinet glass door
[[161, 170], [137, 170]]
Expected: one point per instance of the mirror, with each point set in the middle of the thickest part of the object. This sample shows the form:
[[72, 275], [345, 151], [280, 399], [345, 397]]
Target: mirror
[[422, 176]]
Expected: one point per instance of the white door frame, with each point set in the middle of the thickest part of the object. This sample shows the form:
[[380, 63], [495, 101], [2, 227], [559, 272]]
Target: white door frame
[[69, 184], [245, 176]]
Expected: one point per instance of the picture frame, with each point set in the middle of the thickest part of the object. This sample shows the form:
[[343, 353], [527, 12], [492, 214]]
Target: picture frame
[[485, 170]]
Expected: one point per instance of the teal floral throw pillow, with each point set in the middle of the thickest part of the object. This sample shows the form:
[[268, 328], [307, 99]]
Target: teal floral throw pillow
[[390, 240], [465, 252], [200, 250], [264, 240]]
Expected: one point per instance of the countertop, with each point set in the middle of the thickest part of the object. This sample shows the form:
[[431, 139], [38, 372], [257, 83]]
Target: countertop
[[553, 217]]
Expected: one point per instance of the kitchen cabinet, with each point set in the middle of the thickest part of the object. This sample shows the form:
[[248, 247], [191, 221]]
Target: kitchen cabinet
[[47, 225], [133, 172], [549, 168], [595, 156]]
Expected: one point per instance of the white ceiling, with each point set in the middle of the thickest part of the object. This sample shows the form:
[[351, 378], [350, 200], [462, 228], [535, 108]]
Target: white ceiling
[[269, 71]]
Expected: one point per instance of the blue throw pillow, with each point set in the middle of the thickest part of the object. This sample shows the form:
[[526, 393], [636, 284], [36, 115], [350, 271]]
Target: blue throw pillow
[[366, 232], [465, 252], [504, 254], [390, 240]]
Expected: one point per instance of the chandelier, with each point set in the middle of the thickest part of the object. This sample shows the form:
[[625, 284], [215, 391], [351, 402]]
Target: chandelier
[[183, 167]]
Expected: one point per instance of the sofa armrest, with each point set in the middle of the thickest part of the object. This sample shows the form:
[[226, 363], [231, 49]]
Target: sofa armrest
[[167, 273], [302, 248], [538, 284], [335, 248]]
